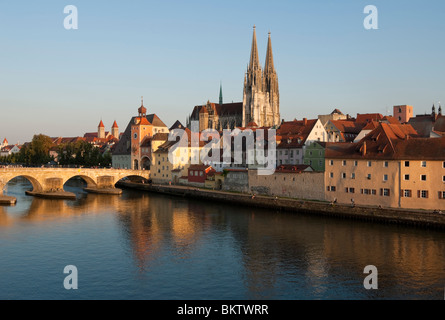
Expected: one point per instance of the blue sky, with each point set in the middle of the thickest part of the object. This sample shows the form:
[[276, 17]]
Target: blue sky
[[175, 53]]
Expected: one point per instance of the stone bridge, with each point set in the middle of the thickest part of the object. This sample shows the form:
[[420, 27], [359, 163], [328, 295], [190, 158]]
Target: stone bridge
[[47, 180]]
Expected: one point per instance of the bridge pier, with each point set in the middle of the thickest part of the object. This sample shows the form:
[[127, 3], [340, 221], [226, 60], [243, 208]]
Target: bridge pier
[[6, 200], [104, 185], [62, 195]]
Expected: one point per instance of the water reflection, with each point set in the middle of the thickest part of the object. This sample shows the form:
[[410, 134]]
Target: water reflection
[[224, 251]]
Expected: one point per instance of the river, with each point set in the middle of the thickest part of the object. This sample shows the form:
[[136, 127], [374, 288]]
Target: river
[[154, 247]]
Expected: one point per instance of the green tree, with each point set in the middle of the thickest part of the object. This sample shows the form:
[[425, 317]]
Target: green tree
[[37, 151]]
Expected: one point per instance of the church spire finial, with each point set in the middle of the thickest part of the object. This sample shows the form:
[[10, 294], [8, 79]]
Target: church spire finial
[[254, 60], [269, 65], [220, 94]]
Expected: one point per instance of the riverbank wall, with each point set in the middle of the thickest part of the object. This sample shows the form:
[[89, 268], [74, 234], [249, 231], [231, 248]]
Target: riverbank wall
[[383, 215]]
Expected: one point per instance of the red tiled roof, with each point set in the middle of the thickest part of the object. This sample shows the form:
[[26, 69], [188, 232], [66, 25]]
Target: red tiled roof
[[364, 118], [200, 167], [101, 124], [378, 144], [115, 124], [142, 110], [297, 131]]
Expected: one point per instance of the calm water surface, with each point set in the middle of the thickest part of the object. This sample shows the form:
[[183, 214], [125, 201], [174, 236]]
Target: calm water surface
[[147, 246]]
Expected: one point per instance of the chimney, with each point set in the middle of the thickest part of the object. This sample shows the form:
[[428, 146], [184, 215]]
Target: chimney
[[305, 121]]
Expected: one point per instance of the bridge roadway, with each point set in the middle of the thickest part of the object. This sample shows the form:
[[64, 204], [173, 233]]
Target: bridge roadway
[[49, 182]]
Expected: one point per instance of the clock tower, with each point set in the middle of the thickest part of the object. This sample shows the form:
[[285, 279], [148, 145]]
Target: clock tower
[[140, 129]]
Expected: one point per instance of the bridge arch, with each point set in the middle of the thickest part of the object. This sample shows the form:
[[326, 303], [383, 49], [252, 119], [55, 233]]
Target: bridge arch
[[91, 183], [133, 177], [36, 185]]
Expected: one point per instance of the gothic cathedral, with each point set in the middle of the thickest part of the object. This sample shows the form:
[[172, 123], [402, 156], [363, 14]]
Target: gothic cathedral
[[261, 99]]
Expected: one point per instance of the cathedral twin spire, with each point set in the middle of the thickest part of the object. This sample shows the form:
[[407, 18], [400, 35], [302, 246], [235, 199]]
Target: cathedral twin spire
[[261, 94]]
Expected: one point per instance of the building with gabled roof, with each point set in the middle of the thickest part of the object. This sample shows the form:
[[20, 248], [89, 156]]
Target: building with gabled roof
[[336, 114], [293, 136], [343, 130], [389, 167], [128, 153], [9, 149]]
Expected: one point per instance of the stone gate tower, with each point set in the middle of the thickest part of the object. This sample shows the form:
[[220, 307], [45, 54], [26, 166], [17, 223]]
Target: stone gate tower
[[261, 98]]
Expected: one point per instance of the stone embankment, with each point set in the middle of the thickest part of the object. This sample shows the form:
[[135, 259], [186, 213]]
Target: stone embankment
[[387, 215]]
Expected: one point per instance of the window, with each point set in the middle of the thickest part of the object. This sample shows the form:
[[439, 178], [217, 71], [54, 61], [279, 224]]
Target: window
[[369, 176], [331, 174], [406, 177], [355, 163], [135, 136], [331, 162], [443, 164], [423, 164], [351, 190], [329, 188], [385, 164], [201, 173], [423, 177], [385, 192], [422, 194], [352, 175], [443, 178], [385, 177], [369, 163], [442, 195], [407, 193], [192, 173], [343, 175], [344, 163], [406, 163]]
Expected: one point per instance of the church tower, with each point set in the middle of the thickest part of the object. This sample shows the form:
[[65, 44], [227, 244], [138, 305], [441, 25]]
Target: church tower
[[270, 79], [261, 102], [101, 130], [115, 130]]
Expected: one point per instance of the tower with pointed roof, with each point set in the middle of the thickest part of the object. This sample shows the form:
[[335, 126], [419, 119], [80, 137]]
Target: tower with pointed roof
[[115, 130], [261, 98], [101, 130], [4, 143], [220, 94]]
